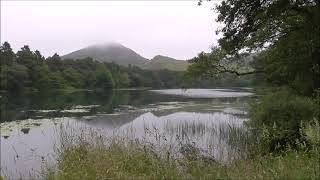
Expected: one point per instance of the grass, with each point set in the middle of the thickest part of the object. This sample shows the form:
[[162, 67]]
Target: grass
[[131, 159]]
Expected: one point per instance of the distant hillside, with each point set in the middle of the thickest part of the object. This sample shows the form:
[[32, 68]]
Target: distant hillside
[[164, 62], [119, 54], [111, 52]]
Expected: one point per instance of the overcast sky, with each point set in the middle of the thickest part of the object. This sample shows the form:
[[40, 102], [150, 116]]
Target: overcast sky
[[178, 29]]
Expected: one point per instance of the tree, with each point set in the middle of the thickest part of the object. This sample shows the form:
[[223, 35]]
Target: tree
[[103, 78], [253, 24], [55, 63], [285, 35], [6, 54], [288, 26], [135, 80], [26, 57], [123, 80], [40, 77], [13, 78], [73, 77], [56, 81], [36, 68]]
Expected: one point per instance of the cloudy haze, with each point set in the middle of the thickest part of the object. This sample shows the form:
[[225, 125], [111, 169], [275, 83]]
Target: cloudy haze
[[178, 29]]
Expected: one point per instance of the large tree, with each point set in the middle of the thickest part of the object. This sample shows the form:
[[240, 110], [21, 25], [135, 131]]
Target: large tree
[[286, 31]]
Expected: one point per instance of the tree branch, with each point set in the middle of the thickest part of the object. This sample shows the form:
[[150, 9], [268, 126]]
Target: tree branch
[[223, 69]]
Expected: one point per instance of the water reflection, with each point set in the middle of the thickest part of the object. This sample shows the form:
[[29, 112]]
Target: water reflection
[[205, 93], [31, 124], [207, 131], [59, 104]]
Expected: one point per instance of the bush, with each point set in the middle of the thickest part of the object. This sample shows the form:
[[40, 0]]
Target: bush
[[279, 117]]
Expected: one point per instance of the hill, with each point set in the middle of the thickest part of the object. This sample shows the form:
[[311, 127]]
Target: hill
[[164, 62], [119, 54], [111, 52]]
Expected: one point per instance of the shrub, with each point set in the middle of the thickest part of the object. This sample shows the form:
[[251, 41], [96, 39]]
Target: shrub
[[278, 118]]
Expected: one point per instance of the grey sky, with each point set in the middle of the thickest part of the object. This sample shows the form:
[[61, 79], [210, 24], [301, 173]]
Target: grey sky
[[178, 29]]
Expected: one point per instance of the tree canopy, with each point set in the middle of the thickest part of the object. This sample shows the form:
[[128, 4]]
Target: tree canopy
[[285, 34]]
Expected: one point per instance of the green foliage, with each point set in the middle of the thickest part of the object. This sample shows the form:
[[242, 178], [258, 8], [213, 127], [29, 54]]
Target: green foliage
[[288, 27], [72, 77], [28, 70], [312, 133], [285, 36], [103, 78], [116, 162], [163, 62], [251, 24], [55, 63], [220, 68], [286, 32], [125, 159], [279, 117], [289, 63], [206, 63], [56, 81], [7, 55], [13, 77]]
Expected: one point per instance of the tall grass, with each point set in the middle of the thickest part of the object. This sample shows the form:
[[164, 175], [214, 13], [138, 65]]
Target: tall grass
[[92, 156]]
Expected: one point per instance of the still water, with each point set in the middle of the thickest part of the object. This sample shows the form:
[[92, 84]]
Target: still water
[[206, 118]]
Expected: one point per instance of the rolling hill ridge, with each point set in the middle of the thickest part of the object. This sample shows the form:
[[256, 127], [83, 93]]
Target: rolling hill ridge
[[164, 62], [119, 54]]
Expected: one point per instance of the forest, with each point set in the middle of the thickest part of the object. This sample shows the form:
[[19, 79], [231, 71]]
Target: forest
[[28, 70]]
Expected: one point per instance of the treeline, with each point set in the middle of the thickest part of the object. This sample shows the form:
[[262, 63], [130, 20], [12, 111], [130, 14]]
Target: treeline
[[28, 70]]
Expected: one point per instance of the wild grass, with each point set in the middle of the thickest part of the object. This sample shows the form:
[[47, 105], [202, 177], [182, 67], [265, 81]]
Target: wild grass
[[122, 158]]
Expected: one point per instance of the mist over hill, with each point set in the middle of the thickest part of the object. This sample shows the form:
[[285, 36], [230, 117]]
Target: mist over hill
[[110, 52], [119, 54]]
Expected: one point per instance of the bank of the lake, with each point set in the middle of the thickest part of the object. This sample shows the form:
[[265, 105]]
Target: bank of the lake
[[139, 161]]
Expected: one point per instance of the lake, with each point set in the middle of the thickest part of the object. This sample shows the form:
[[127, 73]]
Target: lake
[[208, 119]]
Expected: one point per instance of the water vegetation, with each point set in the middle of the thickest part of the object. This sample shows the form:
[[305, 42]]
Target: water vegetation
[[127, 158]]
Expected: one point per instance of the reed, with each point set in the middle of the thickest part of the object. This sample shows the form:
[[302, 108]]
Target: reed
[[89, 155]]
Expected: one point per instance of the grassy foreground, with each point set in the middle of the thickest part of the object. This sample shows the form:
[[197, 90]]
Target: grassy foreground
[[136, 161]]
